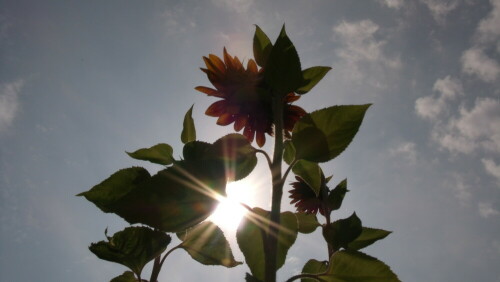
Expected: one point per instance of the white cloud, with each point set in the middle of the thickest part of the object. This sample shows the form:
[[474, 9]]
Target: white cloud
[[9, 103], [407, 150], [492, 168], [176, 21], [440, 9], [431, 107], [486, 210], [472, 129], [476, 62], [488, 28], [359, 45], [462, 190], [394, 4]]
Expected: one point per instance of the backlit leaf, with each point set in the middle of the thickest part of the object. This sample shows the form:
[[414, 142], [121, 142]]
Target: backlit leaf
[[336, 196], [262, 46], [237, 154], [127, 276], [133, 247], [188, 131], [322, 135], [250, 240], [311, 77], [311, 173], [368, 236], [307, 222], [206, 244], [342, 232], [314, 267], [158, 154], [289, 152], [283, 72]]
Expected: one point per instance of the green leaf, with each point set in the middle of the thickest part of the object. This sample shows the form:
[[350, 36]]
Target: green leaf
[[342, 232], [250, 240], [311, 77], [262, 47], [314, 267], [357, 266], [127, 276], [307, 222], [237, 154], [289, 152], [188, 130], [250, 278], [206, 244], [322, 135], [283, 72], [174, 199], [133, 247], [158, 154], [368, 236], [337, 195], [311, 173]]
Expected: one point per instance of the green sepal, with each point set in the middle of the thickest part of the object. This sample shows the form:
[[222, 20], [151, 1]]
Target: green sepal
[[127, 276], [207, 244], [307, 222], [322, 135], [158, 154], [367, 237], [262, 47], [342, 232], [314, 267], [336, 196], [133, 247], [311, 77], [283, 72], [250, 240], [188, 130], [311, 173]]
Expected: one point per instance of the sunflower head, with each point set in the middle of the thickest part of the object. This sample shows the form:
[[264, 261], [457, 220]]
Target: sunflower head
[[246, 99], [305, 199]]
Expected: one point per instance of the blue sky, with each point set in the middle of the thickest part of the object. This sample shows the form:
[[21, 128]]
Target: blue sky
[[83, 81]]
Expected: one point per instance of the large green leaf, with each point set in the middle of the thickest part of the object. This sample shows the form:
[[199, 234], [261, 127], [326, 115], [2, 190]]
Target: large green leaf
[[188, 131], [311, 77], [311, 173], [342, 232], [307, 222], [174, 199], [237, 154], [127, 276], [336, 196], [158, 154], [322, 135], [250, 240], [262, 47], [314, 267], [368, 236], [133, 247], [356, 266], [283, 72], [288, 152], [206, 244]]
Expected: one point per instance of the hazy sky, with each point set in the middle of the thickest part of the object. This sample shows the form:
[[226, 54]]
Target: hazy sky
[[83, 81]]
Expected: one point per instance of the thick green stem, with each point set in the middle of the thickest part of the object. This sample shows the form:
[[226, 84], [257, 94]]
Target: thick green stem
[[277, 193]]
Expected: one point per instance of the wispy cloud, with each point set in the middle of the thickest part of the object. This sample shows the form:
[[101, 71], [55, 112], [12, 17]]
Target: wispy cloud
[[239, 6], [431, 107], [486, 210], [360, 46], [177, 21], [407, 150], [476, 62], [440, 9], [394, 4], [9, 103], [492, 168]]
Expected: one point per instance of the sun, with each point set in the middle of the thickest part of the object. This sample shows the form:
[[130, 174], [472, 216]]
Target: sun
[[229, 212]]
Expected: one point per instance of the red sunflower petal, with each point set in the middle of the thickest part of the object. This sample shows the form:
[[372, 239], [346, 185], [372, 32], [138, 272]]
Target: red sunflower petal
[[291, 97], [216, 109], [249, 133], [225, 119], [260, 137], [218, 63], [209, 91], [252, 66], [240, 122], [228, 60]]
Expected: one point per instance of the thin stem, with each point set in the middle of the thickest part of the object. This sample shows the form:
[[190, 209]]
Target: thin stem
[[289, 169], [269, 162], [271, 242], [304, 275], [158, 264]]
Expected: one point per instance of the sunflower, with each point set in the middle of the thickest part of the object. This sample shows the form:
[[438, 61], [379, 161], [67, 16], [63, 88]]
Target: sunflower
[[246, 99], [305, 199]]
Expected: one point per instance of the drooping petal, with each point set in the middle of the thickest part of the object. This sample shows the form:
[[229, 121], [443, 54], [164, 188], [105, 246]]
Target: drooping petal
[[209, 91], [260, 137], [249, 133], [225, 119], [216, 109]]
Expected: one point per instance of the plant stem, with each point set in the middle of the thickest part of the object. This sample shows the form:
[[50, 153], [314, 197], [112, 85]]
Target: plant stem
[[272, 237], [158, 264], [304, 275]]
